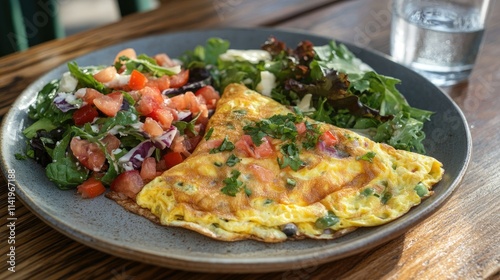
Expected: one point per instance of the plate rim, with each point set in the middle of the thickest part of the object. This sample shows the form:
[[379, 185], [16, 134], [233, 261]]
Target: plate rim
[[229, 264]]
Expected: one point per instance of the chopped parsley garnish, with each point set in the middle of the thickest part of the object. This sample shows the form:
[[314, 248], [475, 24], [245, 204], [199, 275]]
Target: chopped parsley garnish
[[232, 185], [209, 133], [290, 157], [278, 127], [226, 145], [367, 157], [232, 160], [218, 164]]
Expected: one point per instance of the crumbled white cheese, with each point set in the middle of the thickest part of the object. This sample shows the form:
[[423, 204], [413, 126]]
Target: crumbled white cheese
[[68, 83], [118, 81], [252, 56], [305, 104], [267, 83]]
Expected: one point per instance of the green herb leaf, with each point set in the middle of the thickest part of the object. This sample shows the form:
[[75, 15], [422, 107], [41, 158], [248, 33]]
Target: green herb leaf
[[209, 133], [327, 221], [231, 184], [232, 160], [290, 157], [367, 157], [226, 145]]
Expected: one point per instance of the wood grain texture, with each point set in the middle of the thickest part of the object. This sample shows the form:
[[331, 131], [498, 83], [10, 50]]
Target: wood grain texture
[[458, 241]]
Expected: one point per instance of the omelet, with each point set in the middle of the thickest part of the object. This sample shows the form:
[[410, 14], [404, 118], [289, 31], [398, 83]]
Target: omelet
[[263, 171]]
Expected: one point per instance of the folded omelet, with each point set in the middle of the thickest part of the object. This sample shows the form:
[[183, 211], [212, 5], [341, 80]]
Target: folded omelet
[[265, 172]]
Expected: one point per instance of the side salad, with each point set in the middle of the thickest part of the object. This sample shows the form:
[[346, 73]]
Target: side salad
[[123, 124], [118, 125]]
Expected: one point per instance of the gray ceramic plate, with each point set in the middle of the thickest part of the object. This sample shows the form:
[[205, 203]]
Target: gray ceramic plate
[[102, 224]]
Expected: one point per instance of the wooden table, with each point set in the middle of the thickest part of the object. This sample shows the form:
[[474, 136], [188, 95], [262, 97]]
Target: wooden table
[[458, 241]]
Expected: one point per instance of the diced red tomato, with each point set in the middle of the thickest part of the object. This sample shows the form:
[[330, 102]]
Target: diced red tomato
[[172, 159], [164, 60], [90, 95], [262, 173], [148, 169], [137, 80], [128, 183], [178, 80], [161, 83], [246, 146], [105, 75], [301, 127], [178, 145], [210, 95], [88, 154], [153, 93], [192, 102], [152, 127], [329, 138], [109, 104], [178, 102], [129, 52], [163, 116], [146, 105], [111, 142], [213, 143], [84, 115], [91, 188]]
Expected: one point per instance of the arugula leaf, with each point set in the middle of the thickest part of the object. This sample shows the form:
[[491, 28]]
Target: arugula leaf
[[146, 64], [85, 78], [41, 124], [64, 170], [66, 174]]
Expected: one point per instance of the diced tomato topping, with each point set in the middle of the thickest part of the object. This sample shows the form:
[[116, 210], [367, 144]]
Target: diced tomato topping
[[178, 80], [90, 95], [172, 159], [210, 95], [178, 145], [84, 115], [91, 188], [111, 142], [262, 173], [178, 102], [192, 102], [152, 93], [130, 53], [105, 75], [213, 143], [301, 127], [88, 154], [137, 80], [128, 183], [148, 169], [161, 83], [246, 146], [109, 104], [152, 127], [164, 60], [163, 116], [329, 138]]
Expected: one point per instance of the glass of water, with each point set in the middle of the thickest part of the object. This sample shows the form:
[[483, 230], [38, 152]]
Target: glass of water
[[439, 39]]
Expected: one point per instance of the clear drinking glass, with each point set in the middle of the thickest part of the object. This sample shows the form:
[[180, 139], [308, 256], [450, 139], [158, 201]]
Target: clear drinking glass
[[438, 38]]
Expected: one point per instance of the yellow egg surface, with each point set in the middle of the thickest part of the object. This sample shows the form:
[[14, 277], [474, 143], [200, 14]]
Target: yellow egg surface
[[317, 181]]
